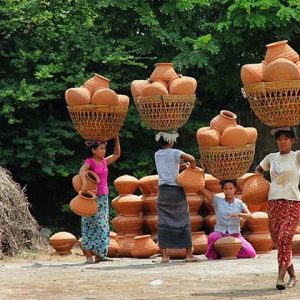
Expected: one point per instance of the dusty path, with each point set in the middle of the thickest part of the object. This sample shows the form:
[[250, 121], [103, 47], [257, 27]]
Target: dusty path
[[65, 277]]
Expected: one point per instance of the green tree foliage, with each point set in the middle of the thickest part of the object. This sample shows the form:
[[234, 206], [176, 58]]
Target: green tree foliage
[[48, 46]]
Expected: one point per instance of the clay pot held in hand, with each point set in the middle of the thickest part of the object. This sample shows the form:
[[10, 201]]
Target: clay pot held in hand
[[113, 247], [126, 184], [223, 120], [96, 82], [192, 180], [62, 242], [77, 96], [199, 241], [128, 205], [163, 71], [92, 182], [228, 247], [144, 247], [84, 204]]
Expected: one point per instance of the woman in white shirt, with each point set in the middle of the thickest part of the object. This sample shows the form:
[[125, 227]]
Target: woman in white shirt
[[284, 200]]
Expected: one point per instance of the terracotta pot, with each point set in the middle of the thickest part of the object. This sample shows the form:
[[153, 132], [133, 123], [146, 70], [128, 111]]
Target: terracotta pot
[[212, 183], [209, 206], [126, 184], [261, 207], [192, 180], [77, 96], [128, 205], [251, 135], [183, 86], [176, 253], [241, 181], [162, 82], [149, 204], [92, 182], [296, 245], [281, 69], [234, 136], [258, 223], [255, 190], [144, 247], [163, 71], [137, 87], [223, 120], [62, 242], [126, 243], [199, 241], [209, 137], [128, 224], [97, 81], [148, 185], [195, 203], [280, 49], [228, 247], [123, 100], [261, 242], [150, 222], [113, 247], [105, 96], [252, 73], [196, 222], [154, 89], [84, 204]]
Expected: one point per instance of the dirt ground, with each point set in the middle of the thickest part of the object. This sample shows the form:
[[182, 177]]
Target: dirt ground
[[50, 276]]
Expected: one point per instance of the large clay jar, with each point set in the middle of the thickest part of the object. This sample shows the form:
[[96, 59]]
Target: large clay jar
[[149, 204], [150, 223], [281, 69], [251, 73], [154, 89], [163, 71], [261, 207], [126, 243], [196, 222], [261, 242], [84, 204], [77, 96], [212, 183], [234, 136], [225, 119], [128, 205], [296, 245], [144, 247], [195, 203], [105, 96], [92, 182], [209, 137], [191, 179], [62, 242], [199, 242], [123, 100], [148, 185], [255, 190], [228, 247], [183, 85], [97, 81], [128, 224], [113, 247], [241, 181], [251, 135], [258, 223], [137, 87], [126, 184], [280, 49]]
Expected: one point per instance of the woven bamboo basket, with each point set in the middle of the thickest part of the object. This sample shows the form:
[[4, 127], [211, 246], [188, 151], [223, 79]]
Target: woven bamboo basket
[[275, 103], [225, 162], [97, 122], [165, 112]]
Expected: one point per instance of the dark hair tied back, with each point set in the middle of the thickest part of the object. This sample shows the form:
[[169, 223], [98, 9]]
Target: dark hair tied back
[[223, 182]]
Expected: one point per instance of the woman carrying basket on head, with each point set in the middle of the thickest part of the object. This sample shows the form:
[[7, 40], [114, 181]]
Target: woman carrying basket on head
[[95, 229], [284, 200]]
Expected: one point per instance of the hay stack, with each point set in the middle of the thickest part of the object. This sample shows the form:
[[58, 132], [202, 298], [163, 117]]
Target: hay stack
[[18, 228]]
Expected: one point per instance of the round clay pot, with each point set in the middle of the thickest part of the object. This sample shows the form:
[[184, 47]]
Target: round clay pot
[[137, 87], [131, 225], [251, 135], [296, 245], [228, 247], [154, 89], [280, 49], [163, 71], [77, 96], [128, 205], [212, 183], [92, 182], [105, 96], [123, 100], [113, 247], [199, 242], [162, 82], [126, 243], [95, 82], [196, 222], [192, 180], [144, 247], [84, 204], [150, 222], [183, 85], [281, 69], [261, 207], [241, 181], [209, 137], [126, 184], [149, 204], [148, 185], [261, 242], [176, 253], [195, 203], [255, 190], [62, 242], [223, 120], [258, 223], [234, 136], [252, 73]]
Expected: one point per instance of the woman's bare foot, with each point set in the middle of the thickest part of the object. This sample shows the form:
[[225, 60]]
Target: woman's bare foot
[[291, 283], [165, 260], [89, 260]]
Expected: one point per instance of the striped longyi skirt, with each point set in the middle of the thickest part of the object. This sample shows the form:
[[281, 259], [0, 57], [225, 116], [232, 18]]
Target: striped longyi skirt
[[174, 229]]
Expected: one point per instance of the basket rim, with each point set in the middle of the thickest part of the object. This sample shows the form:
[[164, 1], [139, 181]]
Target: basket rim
[[281, 83], [97, 107], [166, 97], [224, 148]]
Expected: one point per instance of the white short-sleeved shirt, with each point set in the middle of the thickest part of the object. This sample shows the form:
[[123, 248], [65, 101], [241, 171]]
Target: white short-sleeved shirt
[[167, 165], [285, 174]]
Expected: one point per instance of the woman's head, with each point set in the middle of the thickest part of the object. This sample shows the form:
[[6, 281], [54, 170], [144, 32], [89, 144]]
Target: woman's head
[[96, 148], [285, 138], [228, 187], [166, 139]]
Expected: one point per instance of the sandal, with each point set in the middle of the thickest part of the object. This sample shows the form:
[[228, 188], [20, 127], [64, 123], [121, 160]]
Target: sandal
[[280, 285]]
